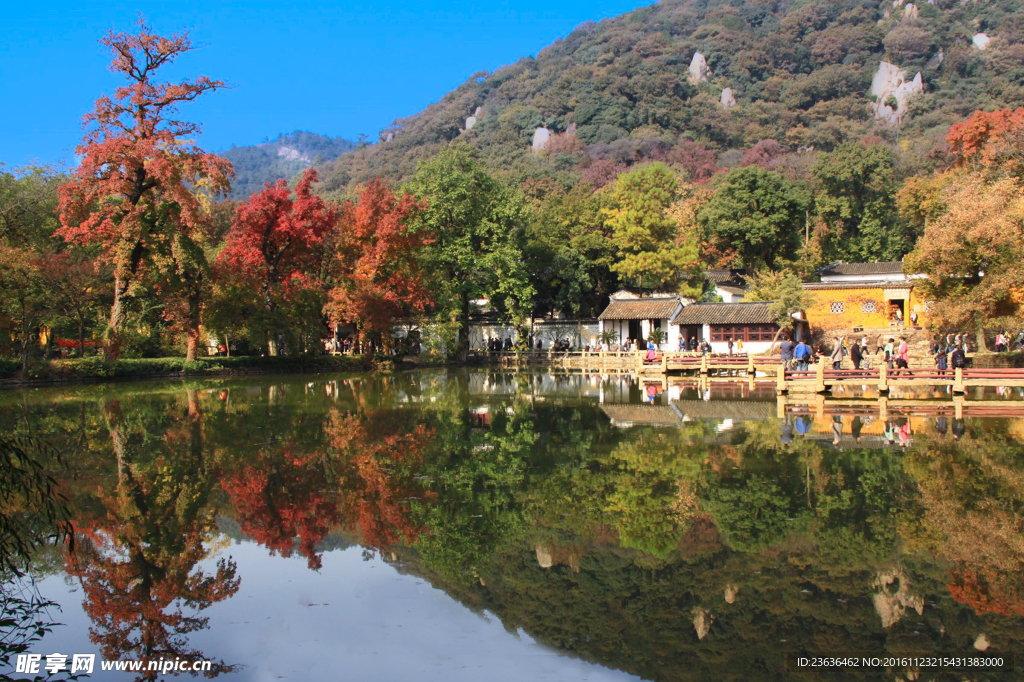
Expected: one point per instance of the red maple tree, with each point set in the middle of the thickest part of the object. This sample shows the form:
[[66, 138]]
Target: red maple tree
[[377, 268], [140, 171], [990, 138], [275, 241]]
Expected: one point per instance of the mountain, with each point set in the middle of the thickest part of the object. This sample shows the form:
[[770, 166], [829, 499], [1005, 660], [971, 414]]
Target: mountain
[[693, 80], [281, 158]]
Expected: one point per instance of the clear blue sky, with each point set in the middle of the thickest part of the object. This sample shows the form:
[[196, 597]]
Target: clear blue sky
[[336, 69]]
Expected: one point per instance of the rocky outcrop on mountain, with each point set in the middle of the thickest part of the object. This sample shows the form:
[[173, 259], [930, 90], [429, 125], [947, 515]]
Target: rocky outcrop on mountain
[[470, 122], [540, 139], [910, 11], [982, 643], [728, 100], [699, 70], [730, 593], [981, 41], [702, 620], [890, 86]]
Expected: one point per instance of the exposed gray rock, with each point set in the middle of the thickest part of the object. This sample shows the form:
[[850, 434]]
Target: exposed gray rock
[[470, 122], [544, 559], [910, 11], [540, 139], [981, 41], [699, 70], [935, 61], [728, 101], [890, 81], [702, 620], [479, 112]]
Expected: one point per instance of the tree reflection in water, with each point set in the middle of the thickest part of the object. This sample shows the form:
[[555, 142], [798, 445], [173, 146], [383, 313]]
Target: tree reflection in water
[[693, 549], [137, 565]]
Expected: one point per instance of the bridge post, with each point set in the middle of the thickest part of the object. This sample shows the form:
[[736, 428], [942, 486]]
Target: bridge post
[[750, 364], [883, 379], [958, 380], [780, 380], [958, 407], [703, 364], [639, 363], [819, 383], [883, 408], [780, 410]]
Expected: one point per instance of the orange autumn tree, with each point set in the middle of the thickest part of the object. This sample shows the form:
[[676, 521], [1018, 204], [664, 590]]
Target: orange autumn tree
[[973, 218], [274, 249], [139, 169], [377, 269], [990, 140]]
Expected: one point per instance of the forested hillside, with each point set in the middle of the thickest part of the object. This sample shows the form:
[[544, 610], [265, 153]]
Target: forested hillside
[[800, 73], [283, 157]]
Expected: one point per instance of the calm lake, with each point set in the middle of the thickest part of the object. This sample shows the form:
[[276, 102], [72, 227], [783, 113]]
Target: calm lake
[[474, 525]]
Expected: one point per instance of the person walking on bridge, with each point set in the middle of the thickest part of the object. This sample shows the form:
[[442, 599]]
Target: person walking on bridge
[[856, 355], [802, 353], [837, 353], [902, 355]]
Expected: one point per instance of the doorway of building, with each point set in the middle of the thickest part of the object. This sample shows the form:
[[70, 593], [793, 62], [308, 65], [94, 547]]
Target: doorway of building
[[634, 330]]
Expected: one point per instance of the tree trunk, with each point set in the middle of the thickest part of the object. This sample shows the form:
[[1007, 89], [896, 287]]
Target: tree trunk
[[192, 327], [271, 333], [81, 336], [112, 339], [462, 347], [982, 348], [25, 329]]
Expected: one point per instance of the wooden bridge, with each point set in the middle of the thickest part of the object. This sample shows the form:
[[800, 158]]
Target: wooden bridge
[[819, 378]]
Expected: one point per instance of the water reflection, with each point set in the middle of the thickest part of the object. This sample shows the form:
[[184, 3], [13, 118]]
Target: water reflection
[[672, 530]]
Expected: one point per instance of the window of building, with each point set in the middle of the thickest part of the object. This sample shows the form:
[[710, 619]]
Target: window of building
[[837, 307], [743, 332], [867, 307]]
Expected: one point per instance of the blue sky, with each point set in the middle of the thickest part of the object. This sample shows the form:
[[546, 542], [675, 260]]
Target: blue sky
[[336, 69]]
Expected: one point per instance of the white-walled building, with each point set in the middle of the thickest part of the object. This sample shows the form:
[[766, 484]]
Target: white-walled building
[[634, 317], [750, 323], [730, 285]]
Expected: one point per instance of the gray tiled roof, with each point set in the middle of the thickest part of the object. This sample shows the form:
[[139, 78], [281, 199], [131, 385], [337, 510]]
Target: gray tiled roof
[[734, 277], [640, 309], [724, 313], [878, 284], [893, 267]]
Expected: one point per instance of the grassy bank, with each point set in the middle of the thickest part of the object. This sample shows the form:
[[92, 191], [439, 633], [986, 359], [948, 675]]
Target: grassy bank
[[96, 369]]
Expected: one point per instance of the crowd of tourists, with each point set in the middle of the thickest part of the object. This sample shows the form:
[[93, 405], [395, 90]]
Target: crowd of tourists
[[946, 353], [1005, 342]]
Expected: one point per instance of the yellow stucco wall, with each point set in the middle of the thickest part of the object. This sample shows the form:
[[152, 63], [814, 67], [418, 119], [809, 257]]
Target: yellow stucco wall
[[821, 316]]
